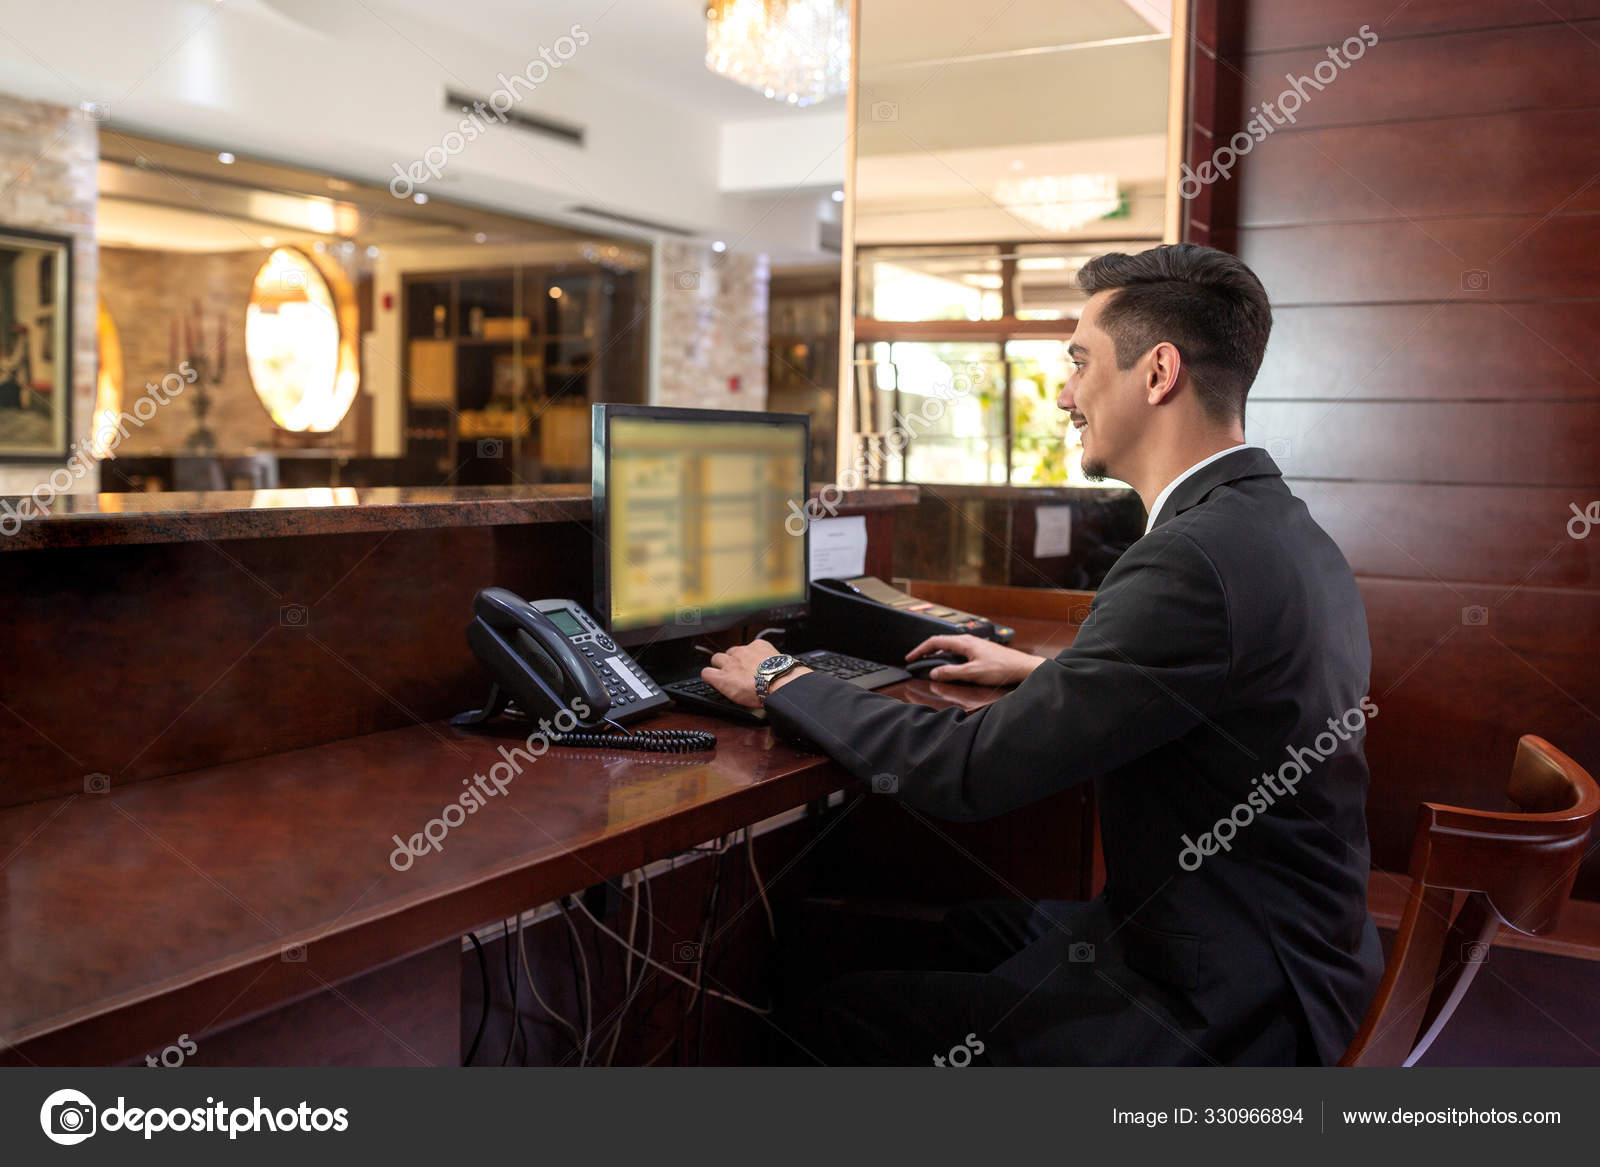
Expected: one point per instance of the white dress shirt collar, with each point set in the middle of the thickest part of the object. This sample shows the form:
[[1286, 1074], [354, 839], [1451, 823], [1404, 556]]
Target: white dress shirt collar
[[1155, 507]]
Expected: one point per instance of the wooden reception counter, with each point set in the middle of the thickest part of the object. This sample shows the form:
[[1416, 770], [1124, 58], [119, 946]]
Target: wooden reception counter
[[215, 718], [103, 520], [155, 634]]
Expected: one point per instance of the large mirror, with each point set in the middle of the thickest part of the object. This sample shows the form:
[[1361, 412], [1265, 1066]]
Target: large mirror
[[995, 151]]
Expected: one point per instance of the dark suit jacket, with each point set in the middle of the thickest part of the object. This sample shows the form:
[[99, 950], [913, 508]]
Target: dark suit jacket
[[1225, 650]]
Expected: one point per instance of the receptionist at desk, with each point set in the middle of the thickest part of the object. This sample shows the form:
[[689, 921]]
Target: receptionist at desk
[[1224, 650]]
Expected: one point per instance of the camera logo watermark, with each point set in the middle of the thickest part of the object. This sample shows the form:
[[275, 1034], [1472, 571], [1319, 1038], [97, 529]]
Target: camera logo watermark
[[481, 788], [1272, 786], [68, 1117], [1265, 118], [484, 115]]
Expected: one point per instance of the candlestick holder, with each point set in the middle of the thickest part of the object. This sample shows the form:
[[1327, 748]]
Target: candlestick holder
[[208, 373], [209, 369]]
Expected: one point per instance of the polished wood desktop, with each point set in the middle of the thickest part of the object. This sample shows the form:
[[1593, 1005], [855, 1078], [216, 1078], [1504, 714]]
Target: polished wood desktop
[[209, 896]]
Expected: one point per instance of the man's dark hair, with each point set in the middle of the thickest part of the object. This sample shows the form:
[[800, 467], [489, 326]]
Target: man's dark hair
[[1204, 301]]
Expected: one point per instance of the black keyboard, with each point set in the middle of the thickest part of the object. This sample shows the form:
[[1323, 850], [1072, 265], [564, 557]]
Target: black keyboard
[[693, 693], [864, 674]]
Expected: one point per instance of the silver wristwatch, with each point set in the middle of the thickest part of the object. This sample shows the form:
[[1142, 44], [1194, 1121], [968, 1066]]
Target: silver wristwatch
[[770, 670]]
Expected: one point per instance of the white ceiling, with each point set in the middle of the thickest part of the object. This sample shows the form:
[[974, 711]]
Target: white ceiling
[[658, 45], [355, 88], [895, 33]]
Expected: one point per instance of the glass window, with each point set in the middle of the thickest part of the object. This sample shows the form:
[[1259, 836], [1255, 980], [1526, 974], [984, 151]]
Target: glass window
[[995, 303]]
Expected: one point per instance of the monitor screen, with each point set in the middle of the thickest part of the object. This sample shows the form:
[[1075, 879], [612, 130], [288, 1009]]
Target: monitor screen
[[696, 509]]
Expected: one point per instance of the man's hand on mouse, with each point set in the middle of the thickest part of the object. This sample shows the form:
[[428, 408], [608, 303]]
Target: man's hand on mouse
[[987, 663], [733, 673]]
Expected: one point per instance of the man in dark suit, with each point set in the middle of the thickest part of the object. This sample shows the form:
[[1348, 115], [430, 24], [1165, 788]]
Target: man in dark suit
[[1215, 696]]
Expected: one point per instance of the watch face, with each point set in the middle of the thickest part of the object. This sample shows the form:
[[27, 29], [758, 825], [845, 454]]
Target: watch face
[[773, 662]]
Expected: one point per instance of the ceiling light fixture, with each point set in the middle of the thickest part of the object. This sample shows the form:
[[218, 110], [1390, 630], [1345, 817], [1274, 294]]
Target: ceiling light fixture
[[794, 51], [1060, 203]]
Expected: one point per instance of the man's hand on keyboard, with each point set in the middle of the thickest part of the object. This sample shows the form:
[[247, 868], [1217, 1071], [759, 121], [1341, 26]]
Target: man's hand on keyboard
[[733, 673]]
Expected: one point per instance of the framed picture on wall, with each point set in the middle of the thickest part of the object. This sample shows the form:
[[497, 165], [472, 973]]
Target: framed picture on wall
[[35, 345]]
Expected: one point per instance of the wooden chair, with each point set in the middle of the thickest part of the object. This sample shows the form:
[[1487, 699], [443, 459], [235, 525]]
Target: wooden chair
[[1518, 869]]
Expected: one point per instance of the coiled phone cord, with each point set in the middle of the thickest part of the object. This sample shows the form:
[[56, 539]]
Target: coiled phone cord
[[654, 741]]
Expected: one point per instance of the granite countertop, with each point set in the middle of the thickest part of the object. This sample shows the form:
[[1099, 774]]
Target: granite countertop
[[101, 520]]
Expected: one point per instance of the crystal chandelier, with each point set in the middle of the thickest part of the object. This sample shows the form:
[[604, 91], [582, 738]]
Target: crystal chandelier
[[1060, 203], [791, 50]]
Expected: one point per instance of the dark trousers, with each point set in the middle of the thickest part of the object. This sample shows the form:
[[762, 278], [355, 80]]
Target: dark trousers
[[916, 1016], [1046, 984]]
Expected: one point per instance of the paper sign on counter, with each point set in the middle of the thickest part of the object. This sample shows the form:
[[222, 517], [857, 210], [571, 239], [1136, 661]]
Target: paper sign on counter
[[839, 547], [1052, 531]]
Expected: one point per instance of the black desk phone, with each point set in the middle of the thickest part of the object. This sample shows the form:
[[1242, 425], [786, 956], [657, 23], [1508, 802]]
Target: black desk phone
[[551, 657]]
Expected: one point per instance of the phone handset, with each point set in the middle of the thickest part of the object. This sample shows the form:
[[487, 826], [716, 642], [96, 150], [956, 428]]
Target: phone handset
[[501, 615]]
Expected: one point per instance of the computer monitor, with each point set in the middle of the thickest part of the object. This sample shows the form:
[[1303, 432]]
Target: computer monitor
[[700, 519]]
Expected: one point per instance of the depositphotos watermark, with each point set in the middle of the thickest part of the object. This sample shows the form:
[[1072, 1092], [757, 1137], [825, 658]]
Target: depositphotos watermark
[[103, 443], [961, 1055], [1272, 786], [1579, 524], [484, 115], [828, 499], [69, 1117], [173, 1055], [480, 788], [1264, 118]]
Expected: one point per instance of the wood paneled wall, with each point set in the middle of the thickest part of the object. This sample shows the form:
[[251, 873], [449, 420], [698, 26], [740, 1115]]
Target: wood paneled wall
[[1427, 229]]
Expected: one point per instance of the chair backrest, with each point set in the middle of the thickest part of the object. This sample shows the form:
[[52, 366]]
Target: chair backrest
[[1517, 868]]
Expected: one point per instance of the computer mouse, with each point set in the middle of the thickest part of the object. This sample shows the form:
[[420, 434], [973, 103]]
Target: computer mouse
[[924, 665]]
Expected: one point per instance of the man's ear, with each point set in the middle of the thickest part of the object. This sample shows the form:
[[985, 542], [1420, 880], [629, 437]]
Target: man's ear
[[1161, 376]]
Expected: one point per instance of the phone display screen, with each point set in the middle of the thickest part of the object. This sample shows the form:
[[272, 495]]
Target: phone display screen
[[566, 622]]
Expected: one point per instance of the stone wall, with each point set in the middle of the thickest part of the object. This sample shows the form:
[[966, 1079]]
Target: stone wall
[[712, 328], [145, 292]]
